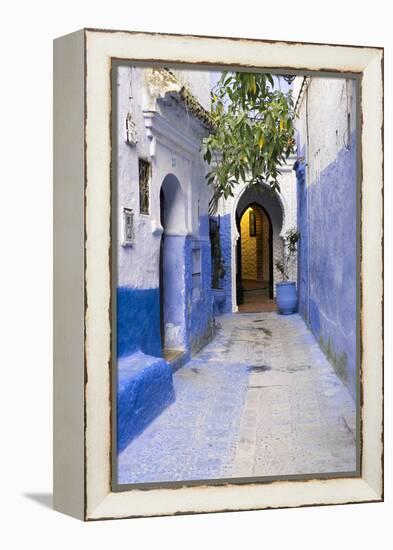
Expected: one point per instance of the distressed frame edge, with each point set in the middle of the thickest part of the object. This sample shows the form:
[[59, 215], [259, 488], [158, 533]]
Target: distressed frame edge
[[375, 492], [69, 489]]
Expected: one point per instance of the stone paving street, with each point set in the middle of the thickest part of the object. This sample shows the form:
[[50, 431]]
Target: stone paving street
[[260, 400]]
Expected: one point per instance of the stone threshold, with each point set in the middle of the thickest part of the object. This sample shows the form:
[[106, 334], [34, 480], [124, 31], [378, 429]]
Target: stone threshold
[[176, 358]]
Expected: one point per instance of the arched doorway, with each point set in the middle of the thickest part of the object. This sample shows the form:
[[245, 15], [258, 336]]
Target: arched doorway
[[255, 256], [258, 219], [172, 268]]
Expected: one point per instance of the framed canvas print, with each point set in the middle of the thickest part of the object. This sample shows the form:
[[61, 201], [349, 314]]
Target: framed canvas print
[[218, 274]]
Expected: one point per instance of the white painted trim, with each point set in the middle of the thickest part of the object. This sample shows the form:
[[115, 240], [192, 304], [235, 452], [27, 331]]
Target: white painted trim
[[158, 128]]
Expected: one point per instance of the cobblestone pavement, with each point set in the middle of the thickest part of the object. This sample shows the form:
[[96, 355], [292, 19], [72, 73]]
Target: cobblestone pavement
[[260, 400]]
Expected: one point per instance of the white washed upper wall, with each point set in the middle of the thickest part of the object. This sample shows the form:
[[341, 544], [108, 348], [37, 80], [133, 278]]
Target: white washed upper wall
[[137, 264], [198, 82], [329, 101]]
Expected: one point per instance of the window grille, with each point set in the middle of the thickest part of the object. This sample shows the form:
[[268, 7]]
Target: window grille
[[144, 186]]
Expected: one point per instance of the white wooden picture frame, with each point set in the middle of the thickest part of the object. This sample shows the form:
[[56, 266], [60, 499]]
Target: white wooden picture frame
[[82, 244]]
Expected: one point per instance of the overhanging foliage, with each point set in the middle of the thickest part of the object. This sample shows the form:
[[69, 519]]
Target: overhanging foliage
[[253, 132]]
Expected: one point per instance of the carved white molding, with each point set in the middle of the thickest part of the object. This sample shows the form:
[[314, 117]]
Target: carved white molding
[[162, 130]]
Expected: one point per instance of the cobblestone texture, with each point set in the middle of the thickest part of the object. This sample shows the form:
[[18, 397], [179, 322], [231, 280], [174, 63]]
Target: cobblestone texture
[[260, 400]]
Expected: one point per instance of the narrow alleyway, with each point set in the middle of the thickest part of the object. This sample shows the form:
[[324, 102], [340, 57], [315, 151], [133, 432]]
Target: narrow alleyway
[[260, 400], [256, 297]]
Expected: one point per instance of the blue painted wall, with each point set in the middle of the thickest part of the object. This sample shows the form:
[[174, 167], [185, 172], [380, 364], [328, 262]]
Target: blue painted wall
[[144, 390], [138, 321], [174, 298], [204, 226], [327, 260], [145, 385], [192, 315], [226, 254], [138, 310], [302, 248], [226, 247], [200, 325]]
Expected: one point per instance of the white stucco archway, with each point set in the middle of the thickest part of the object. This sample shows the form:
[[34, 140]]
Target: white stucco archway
[[172, 264], [287, 201], [175, 206], [275, 208]]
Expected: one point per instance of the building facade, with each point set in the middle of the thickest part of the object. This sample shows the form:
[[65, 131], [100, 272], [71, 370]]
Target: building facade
[[178, 267], [280, 211], [161, 179], [164, 308], [327, 216]]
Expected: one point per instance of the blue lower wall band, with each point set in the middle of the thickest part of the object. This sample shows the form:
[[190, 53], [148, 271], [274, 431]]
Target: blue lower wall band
[[138, 321], [144, 390], [327, 267]]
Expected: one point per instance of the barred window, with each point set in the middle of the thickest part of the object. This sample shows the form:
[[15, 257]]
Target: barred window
[[144, 186]]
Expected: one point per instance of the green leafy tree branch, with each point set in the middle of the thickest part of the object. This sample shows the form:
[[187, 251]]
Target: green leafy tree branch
[[291, 239], [253, 133]]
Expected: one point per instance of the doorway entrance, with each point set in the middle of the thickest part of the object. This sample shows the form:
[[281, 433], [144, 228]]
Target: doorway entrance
[[172, 269], [255, 260]]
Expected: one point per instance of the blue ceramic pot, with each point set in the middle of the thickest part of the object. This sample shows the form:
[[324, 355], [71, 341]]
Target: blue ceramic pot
[[286, 297]]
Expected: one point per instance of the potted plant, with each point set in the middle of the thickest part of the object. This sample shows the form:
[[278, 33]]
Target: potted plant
[[286, 294]]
